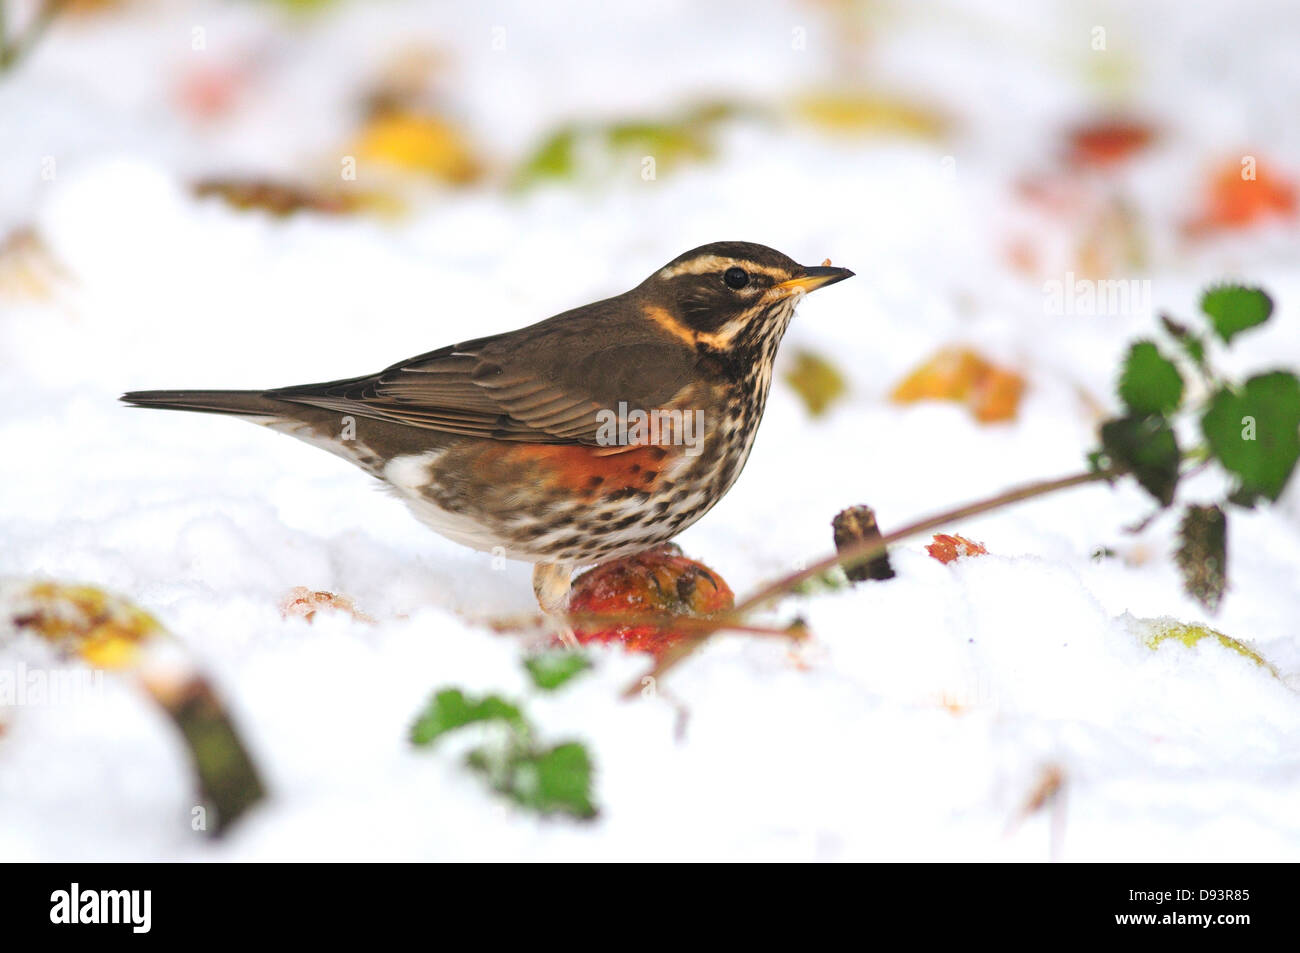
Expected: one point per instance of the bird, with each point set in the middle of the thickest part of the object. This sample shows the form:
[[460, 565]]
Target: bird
[[596, 434]]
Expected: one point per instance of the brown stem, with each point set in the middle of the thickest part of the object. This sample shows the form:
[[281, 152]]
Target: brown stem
[[12, 52], [860, 552], [688, 623]]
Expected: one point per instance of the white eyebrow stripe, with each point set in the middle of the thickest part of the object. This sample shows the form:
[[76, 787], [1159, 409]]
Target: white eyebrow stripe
[[707, 264]]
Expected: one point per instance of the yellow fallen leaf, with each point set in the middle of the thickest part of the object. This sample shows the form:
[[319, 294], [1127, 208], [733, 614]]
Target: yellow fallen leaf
[[869, 114], [28, 269], [422, 144], [816, 380], [105, 630], [1154, 632]]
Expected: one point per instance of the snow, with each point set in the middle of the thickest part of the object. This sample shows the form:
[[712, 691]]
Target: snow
[[923, 714]]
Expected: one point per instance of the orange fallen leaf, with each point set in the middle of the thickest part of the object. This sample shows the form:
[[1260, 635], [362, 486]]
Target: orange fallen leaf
[[947, 548], [990, 392], [996, 396], [952, 704], [1234, 200], [1048, 787], [949, 375]]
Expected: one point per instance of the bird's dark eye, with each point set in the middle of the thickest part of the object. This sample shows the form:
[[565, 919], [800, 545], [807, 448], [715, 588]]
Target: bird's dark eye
[[736, 278]]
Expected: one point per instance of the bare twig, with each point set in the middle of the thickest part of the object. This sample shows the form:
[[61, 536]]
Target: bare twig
[[857, 553], [662, 620]]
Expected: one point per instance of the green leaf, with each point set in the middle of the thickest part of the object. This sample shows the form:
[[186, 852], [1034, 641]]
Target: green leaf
[[580, 150], [1235, 308], [555, 158], [546, 780], [449, 709], [668, 141], [559, 780], [1150, 383], [550, 670], [1146, 447], [543, 779], [1254, 433], [1202, 555]]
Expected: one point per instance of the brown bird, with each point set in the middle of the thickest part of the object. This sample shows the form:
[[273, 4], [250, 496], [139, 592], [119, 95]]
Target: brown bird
[[592, 435]]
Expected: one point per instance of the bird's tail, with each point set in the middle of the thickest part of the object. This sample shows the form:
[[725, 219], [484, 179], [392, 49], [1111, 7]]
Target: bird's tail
[[322, 428], [245, 403]]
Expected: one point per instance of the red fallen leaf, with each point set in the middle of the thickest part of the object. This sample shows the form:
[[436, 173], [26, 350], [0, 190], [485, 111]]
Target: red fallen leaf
[[948, 548], [659, 581], [210, 92], [1106, 142], [1022, 255], [1057, 195], [1235, 202], [302, 603]]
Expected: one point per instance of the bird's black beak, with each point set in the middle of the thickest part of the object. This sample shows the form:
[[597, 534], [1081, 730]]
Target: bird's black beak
[[813, 277]]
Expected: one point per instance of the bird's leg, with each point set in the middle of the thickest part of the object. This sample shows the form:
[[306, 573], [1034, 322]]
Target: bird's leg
[[551, 586]]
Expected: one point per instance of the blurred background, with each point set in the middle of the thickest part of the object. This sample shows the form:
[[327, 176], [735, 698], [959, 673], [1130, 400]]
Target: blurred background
[[963, 157], [1128, 120]]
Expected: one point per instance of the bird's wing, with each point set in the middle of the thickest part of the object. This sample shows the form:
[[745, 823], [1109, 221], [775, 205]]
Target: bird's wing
[[544, 384]]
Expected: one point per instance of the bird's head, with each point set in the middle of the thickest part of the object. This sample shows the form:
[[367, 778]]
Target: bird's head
[[726, 294]]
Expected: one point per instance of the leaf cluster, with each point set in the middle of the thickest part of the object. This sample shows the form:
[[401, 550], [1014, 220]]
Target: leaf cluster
[[1250, 428], [545, 778]]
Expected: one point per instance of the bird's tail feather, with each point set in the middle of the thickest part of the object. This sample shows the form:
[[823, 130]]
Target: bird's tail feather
[[248, 403]]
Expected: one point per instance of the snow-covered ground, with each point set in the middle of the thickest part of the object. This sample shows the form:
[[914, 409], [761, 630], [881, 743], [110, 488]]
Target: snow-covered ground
[[925, 711]]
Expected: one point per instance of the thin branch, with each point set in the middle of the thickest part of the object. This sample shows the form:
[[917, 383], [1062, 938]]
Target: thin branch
[[668, 621], [857, 553], [864, 550]]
